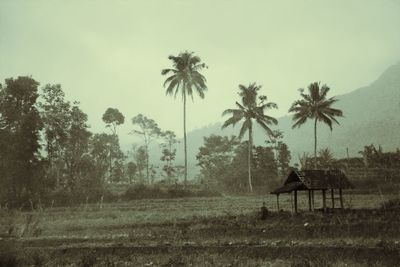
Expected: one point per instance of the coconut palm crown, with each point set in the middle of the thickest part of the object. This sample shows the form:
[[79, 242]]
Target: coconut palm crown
[[248, 111], [315, 106]]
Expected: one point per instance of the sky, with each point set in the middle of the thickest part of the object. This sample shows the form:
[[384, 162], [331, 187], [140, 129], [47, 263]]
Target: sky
[[110, 53]]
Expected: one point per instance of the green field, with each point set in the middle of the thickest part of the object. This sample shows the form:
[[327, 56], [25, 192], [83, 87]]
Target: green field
[[220, 231]]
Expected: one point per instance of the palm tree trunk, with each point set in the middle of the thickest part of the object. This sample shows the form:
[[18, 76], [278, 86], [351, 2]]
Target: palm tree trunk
[[249, 158], [315, 143], [184, 136]]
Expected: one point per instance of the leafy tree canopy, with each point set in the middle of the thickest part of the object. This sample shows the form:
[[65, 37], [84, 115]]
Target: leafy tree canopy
[[112, 117]]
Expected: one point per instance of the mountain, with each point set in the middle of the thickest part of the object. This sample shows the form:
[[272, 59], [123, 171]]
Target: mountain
[[371, 116]]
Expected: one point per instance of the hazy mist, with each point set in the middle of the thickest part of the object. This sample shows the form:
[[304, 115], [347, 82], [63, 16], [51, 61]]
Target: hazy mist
[[110, 53]]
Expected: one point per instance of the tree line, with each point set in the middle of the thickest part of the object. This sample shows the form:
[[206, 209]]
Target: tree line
[[47, 146], [48, 150]]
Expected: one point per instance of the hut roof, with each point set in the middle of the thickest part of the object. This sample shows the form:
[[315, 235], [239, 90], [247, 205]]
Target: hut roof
[[314, 179]]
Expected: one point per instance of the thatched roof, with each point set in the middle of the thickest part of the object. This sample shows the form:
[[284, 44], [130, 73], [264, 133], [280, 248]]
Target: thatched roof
[[315, 180]]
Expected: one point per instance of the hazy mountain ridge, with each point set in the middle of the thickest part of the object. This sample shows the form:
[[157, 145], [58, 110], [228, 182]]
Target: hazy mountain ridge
[[371, 116]]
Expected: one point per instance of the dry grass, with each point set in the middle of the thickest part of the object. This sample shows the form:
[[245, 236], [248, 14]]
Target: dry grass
[[172, 226]]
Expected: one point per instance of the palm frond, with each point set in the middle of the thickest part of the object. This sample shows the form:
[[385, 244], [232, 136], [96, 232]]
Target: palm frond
[[198, 67], [194, 60], [240, 106], [313, 90], [299, 122], [242, 88], [324, 91], [166, 71], [328, 102], [326, 120], [200, 79], [298, 104], [183, 91], [332, 112], [189, 89], [232, 121], [334, 119], [199, 90], [246, 126], [169, 79], [171, 87], [271, 105], [265, 127], [270, 120], [229, 111], [307, 98]]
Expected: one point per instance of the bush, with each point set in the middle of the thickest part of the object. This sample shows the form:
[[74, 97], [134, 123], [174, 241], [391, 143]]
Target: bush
[[63, 197], [142, 191], [208, 193]]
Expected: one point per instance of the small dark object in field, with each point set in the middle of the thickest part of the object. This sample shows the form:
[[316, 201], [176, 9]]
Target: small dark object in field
[[264, 212]]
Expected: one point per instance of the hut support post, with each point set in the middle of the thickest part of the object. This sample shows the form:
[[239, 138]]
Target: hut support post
[[309, 200], [324, 199], [333, 198], [295, 201], [341, 198], [291, 201], [277, 201], [312, 200]]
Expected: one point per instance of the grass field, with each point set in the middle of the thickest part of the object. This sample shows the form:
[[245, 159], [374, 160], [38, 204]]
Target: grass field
[[220, 231]]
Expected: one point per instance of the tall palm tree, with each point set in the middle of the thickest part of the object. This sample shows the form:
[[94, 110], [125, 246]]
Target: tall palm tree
[[185, 78], [315, 106], [248, 111]]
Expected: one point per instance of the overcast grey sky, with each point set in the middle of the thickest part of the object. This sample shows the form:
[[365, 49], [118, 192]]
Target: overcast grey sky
[[110, 53]]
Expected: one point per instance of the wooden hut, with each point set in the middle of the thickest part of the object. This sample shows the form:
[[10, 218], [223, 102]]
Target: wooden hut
[[312, 180]]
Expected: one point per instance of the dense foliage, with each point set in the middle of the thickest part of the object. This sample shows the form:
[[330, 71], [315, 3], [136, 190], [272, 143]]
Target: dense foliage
[[223, 165], [49, 156]]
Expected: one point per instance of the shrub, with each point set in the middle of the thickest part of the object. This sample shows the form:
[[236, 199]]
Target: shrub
[[142, 191], [63, 197]]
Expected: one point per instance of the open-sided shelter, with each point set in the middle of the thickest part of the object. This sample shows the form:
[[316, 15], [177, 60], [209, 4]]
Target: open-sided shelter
[[312, 180]]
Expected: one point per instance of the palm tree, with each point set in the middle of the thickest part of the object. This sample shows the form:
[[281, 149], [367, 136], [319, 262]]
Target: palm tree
[[185, 79], [316, 106], [248, 111]]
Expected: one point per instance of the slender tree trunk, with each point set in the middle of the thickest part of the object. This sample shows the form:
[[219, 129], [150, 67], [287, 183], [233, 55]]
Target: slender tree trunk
[[170, 163], [249, 158], [147, 164], [184, 136], [315, 143], [110, 165], [146, 145]]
